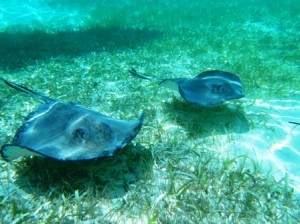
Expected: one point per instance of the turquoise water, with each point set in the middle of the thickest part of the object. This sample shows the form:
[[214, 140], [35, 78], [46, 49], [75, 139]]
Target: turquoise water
[[81, 52]]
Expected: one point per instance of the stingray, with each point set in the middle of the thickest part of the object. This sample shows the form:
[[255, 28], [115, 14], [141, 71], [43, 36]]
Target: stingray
[[209, 88], [68, 131]]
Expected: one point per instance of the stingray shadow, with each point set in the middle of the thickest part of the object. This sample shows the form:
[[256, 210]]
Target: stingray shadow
[[22, 48], [203, 122], [110, 178]]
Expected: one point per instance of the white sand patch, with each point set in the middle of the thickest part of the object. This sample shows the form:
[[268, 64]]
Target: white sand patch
[[29, 12], [272, 139]]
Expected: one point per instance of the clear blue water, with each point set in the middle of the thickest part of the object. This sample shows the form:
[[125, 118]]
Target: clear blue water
[[260, 41]]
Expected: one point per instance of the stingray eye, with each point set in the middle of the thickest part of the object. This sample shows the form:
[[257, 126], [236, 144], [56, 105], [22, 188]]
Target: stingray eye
[[103, 133], [217, 88], [81, 134]]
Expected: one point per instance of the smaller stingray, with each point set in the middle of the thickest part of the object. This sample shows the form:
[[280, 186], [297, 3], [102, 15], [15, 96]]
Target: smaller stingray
[[209, 88], [68, 131]]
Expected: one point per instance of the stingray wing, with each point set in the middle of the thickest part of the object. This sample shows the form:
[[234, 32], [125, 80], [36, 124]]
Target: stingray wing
[[10, 152]]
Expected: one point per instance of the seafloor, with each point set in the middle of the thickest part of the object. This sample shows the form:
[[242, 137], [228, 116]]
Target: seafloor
[[234, 163]]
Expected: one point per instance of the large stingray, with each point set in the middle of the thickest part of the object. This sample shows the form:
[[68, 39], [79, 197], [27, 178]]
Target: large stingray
[[68, 131], [209, 88]]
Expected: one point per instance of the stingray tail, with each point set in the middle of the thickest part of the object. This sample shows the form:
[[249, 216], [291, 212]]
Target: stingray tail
[[26, 90], [143, 76], [292, 122]]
